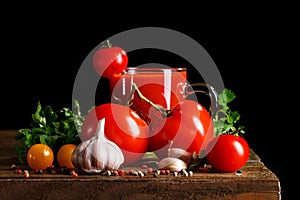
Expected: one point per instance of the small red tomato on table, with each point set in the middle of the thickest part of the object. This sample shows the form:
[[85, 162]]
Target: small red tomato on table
[[109, 59], [228, 153]]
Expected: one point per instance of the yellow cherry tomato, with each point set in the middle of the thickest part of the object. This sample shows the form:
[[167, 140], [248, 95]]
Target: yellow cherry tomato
[[40, 156], [64, 156]]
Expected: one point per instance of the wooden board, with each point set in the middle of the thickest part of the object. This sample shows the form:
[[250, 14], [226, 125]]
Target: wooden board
[[255, 182]]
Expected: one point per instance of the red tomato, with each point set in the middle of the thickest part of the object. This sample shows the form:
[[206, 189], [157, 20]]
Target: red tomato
[[109, 60], [122, 126], [163, 131], [191, 129], [227, 153], [147, 111]]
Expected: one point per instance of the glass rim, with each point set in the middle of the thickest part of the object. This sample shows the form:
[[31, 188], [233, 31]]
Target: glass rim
[[154, 69]]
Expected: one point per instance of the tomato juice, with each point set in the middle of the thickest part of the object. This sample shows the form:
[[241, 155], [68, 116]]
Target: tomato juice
[[162, 86]]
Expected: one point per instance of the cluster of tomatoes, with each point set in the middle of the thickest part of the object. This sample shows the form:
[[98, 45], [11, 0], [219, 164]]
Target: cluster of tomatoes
[[188, 125]]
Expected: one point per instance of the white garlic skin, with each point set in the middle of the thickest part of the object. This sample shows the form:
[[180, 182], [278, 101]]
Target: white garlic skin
[[98, 153], [181, 154], [172, 164]]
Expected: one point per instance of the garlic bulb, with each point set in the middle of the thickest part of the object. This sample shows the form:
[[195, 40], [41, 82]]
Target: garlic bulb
[[172, 164], [97, 153]]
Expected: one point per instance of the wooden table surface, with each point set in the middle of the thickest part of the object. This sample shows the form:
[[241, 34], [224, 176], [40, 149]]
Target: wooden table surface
[[255, 182]]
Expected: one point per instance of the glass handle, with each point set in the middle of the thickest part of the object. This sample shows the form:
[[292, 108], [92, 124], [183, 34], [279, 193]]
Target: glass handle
[[205, 89]]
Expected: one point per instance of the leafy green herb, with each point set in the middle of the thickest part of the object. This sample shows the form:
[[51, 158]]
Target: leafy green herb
[[225, 120], [50, 127]]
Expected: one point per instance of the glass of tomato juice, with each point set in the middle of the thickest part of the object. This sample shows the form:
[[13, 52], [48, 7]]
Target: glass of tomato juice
[[162, 87]]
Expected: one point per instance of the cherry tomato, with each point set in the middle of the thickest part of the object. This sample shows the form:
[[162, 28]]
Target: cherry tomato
[[194, 128], [109, 60], [64, 156], [227, 153], [122, 126], [40, 156]]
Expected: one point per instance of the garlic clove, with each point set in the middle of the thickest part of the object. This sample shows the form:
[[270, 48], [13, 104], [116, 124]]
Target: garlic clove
[[181, 154], [172, 164]]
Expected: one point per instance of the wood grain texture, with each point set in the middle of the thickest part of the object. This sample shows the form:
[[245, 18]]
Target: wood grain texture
[[256, 182]]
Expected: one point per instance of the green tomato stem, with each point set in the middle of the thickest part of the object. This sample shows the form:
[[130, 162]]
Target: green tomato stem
[[165, 113], [105, 44]]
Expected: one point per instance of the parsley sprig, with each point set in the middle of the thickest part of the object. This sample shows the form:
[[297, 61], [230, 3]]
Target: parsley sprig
[[51, 127], [225, 120]]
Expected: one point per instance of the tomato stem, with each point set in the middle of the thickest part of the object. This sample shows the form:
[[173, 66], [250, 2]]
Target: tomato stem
[[105, 44], [165, 112]]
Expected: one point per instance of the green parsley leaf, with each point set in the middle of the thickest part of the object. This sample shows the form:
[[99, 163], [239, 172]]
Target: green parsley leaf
[[225, 120]]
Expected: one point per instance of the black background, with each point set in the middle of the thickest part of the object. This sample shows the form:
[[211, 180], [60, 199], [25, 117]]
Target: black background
[[41, 55]]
